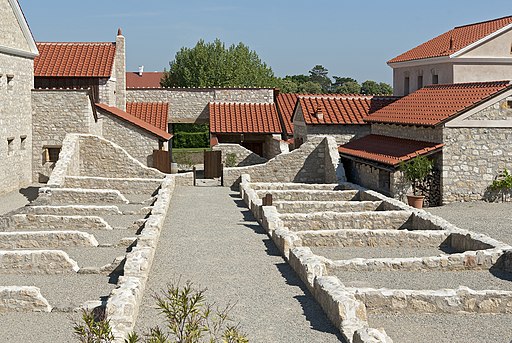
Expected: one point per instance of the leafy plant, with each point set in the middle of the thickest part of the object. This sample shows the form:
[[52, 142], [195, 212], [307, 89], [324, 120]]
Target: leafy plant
[[93, 329], [502, 184], [416, 171], [230, 160]]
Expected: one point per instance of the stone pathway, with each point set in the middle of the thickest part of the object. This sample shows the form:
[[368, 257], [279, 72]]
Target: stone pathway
[[212, 239]]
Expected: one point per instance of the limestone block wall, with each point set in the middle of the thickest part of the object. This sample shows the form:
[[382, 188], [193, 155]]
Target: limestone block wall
[[243, 157], [409, 132], [136, 141], [189, 105], [10, 32], [472, 157], [342, 133], [107, 93], [316, 161], [56, 113], [275, 146], [16, 81]]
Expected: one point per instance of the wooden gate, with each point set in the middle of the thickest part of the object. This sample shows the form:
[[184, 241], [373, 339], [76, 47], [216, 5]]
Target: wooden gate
[[212, 164], [162, 161]]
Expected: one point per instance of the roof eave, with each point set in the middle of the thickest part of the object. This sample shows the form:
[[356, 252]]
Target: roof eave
[[481, 41]]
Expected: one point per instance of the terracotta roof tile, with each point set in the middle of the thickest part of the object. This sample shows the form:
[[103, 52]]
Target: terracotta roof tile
[[454, 40], [435, 104], [387, 150], [244, 118], [75, 59], [286, 104], [146, 80], [135, 121], [154, 113], [342, 108]]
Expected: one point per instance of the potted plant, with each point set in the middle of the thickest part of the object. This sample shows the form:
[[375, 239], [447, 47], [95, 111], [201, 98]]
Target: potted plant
[[416, 172]]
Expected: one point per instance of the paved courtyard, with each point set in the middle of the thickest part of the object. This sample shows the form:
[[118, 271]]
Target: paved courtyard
[[212, 239]]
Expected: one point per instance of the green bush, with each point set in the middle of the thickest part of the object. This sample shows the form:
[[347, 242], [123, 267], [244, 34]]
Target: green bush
[[191, 140], [502, 184], [93, 329], [230, 160], [416, 171]]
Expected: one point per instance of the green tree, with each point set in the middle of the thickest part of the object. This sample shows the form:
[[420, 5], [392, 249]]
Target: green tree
[[385, 88], [318, 74], [214, 65], [372, 87], [310, 87], [340, 81], [350, 87]]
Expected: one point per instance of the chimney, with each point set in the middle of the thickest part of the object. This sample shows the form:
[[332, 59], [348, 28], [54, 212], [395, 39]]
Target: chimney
[[120, 71], [141, 70], [451, 42], [319, 114]]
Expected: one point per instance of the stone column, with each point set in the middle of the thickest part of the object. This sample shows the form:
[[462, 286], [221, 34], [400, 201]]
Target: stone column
[[120, 71]]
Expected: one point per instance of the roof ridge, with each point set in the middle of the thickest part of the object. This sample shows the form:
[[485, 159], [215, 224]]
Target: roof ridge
[[482, 22], [479, 83], [76, 43]]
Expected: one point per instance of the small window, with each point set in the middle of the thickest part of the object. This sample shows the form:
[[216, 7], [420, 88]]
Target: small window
[[435, 79], [406, 85], [10, 146], [509, 104], [51, 154], [10, 78], [420, 81], [23, 142]]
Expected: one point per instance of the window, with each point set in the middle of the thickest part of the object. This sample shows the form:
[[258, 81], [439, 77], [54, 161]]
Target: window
[[51, 154], [10, 78], [435, 79], [23, 142], [406, 85], [10, 146], [420, 81]]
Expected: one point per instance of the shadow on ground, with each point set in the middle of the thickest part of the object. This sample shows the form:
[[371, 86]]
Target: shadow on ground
[[31, 193]]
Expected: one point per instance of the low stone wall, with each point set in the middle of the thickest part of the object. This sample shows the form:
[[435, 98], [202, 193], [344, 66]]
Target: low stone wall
[[36, 262], [73, 210], [55, 196], [460, 242], [290, 186], [461, 300], [54, 222], [242, 157], [319, 206], [22, 299], [124, 185], [314, 162], [46, 239], [309, 195], [390, 220]]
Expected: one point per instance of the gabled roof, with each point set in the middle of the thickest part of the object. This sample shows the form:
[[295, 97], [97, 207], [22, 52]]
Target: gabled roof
[[25, 29], [455, 40], [387, 150], [146, 80], [135, 121], [244, 118], [435, 104], [340, 109], [154, 113], [86, 59], [286, 104]]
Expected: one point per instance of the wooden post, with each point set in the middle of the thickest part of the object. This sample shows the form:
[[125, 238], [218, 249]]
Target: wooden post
[[267, 200], [194, 173], [222, 175]]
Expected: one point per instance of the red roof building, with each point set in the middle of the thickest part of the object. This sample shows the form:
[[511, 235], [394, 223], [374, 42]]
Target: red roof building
[[144, 79], [153, 113], [244, 118], [285, 103]]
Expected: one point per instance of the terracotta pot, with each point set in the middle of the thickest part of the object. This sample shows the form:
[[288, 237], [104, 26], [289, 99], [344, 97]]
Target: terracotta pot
[[415, 201]]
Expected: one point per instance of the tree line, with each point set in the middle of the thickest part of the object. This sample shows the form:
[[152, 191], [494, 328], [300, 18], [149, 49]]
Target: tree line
[[212, 64]]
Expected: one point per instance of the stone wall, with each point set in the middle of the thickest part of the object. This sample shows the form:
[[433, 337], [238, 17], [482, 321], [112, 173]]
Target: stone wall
[[119, 72], [472, 157], [409, 132], [16, 81], [138, 142], [498, 111], [189, 105], [342, 133], [56, 113], [107, 90], [314, 162], [243, 157], [275, 146]]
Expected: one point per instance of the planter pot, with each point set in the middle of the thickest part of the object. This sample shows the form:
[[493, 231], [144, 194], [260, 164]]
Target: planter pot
[[415, 201]]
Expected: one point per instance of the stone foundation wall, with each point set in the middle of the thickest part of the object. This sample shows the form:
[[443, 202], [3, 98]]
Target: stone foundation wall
[[190, 105], [243, 157], [36, 262], [22, 299], [125, 186], [472, 157], [341, 133], [427, 134], [306, 164]]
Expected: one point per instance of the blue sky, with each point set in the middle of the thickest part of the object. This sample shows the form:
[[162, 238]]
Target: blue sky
[[349, 38]]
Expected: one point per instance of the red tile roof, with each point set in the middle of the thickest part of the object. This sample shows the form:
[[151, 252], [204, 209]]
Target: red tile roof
[[286, 104], [75, 59], [340, 109], [387, 150], [454, 40], [146, 80], [135, 121], [154, 113], [435, 104], [244, 118]]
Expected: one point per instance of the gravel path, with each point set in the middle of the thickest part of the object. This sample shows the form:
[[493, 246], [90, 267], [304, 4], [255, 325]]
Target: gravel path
[[445, 328], [345, 253], [492, 219], [38, 327], [212, 239], [478, 280]]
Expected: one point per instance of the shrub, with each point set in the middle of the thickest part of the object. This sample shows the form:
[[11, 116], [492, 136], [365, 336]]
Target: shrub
[[191, 140], [502, 184], [416, 171], [230, 160], [93, 329]]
